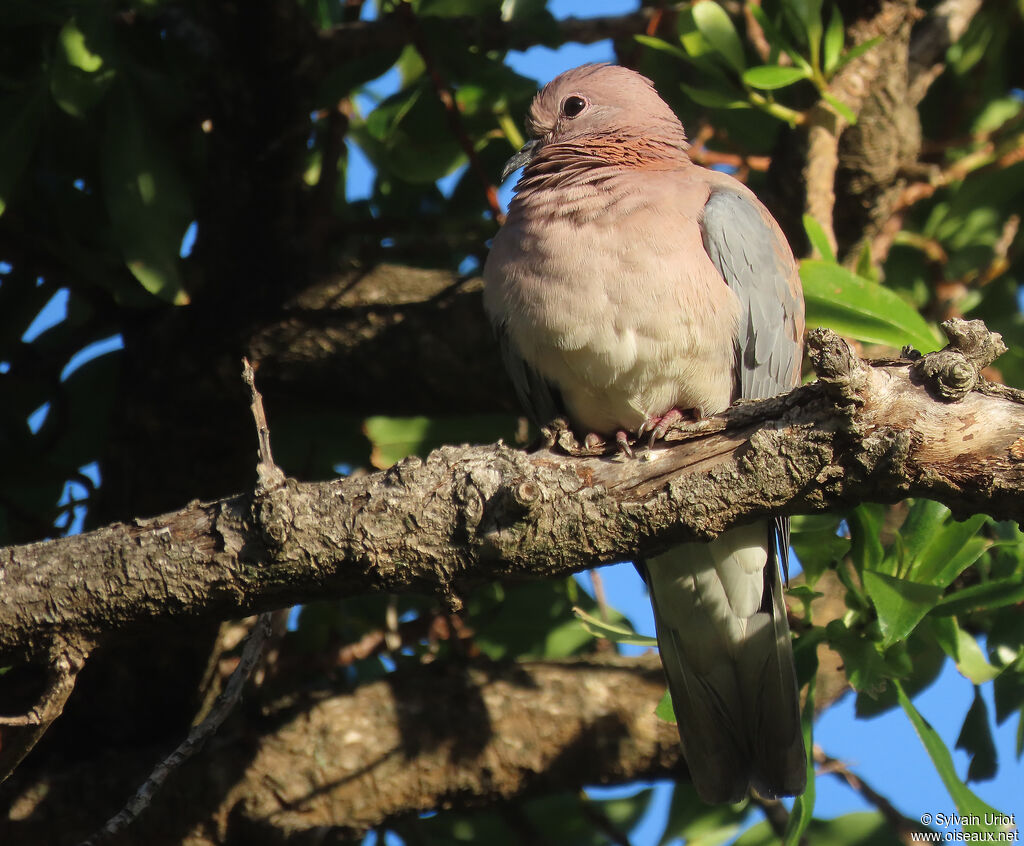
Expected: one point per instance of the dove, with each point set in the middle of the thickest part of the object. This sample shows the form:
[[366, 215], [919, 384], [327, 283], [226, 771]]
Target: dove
[[631, 288]]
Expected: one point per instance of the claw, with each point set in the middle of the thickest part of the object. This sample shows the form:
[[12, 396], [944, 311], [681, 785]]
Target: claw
[[659, 426], [622, 442], [667, 420]]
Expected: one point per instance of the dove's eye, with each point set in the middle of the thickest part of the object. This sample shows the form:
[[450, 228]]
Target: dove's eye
[[573, 106]]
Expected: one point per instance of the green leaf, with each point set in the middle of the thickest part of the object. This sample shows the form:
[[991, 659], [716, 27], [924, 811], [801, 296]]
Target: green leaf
[[976, 740], [926, 661], [408, 135], [865, 523], [146, 197], [696, 824], [932, 548], [840, 108], [770, 77], [923, 522], [393, 438], [716, 26], [967, 803], [863, 310], [805, 18], [834, 37], [864, 664], [665, 711], [819, 240], [865, 266], [460, 8], [995, 594], [75, 49], [817, 543], [776, 39], [533, 619], [661, 46], [964, 650], [859, 829], [900, 604], [715, 99], [856, 52], [614, 633], [803, 806]]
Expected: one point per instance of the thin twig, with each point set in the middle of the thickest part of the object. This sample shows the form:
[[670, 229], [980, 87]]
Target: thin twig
[[774, 812], [196, 738], [24, 730], [833, 766], [269, 475]]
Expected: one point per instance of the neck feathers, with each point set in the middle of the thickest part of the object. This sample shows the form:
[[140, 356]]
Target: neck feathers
[[587, 159]]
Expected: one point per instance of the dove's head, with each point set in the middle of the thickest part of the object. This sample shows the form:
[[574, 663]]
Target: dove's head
[[598, 109]]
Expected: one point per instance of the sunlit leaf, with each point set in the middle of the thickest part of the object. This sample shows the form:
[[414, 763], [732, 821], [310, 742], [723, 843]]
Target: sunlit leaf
[[665, 711], [840, 107], [76, 50], [819, 240], [865, 667], [995, 594], [900, 604], [964, 650], [776, 39], [393, 438], [662, 46], [833, 43], [146, 196], [863, 310], [856, 52], [614, 633], [536, 619], [967, 803], [770, 77], [805, 17], [817, 543], [716, 26], [803, 806], [865, 523]]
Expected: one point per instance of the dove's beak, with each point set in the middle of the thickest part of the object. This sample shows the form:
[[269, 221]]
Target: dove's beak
[[520, 159]]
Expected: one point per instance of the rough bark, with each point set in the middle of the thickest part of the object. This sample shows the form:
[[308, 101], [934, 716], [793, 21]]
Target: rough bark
[[440, 735], [930, 427], [423, 332]]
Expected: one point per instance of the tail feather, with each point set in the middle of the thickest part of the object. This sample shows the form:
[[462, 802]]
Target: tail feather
[[727, 655]]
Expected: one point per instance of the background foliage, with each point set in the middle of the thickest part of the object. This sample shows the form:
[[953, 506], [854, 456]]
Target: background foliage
[[179, 185]]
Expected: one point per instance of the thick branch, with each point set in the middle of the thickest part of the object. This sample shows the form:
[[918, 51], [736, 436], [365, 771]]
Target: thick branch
[[421, 332], [442, 735], [468, 514]]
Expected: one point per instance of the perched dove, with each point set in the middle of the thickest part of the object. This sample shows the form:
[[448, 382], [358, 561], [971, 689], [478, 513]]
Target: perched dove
[[629, 286]]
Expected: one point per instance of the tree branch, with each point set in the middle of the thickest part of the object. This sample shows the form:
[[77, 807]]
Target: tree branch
[[443, 735], [349, 41], [470, 514]]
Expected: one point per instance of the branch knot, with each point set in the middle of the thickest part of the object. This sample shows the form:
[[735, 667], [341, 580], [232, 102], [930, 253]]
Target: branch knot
[[952, 373]]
